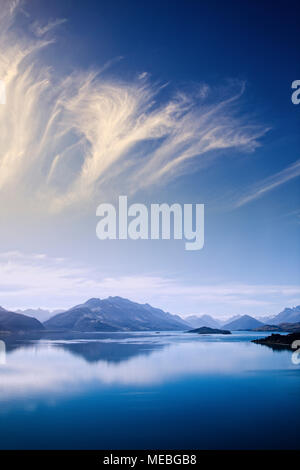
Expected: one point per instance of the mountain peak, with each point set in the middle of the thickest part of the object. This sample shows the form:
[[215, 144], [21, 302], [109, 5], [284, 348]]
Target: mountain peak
[[245, 322], [288, 315], [202, 321], [115, 313], [117, 298], [93, 302]]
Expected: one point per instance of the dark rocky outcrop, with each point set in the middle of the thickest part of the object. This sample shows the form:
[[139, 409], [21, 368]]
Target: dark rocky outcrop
[[276, 341], [204, 330]]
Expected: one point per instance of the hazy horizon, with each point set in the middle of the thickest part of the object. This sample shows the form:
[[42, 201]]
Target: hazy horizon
[[183, 316]]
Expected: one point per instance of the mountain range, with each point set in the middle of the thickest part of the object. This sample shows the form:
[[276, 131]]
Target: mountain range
[[203, 320], [11, 322], [288, 315], [243, 323], [41, 314], [115, 314], [119, 314], [282, 327]]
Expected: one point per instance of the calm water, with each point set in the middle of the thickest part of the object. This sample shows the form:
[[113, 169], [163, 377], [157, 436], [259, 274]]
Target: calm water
[[147, 390]]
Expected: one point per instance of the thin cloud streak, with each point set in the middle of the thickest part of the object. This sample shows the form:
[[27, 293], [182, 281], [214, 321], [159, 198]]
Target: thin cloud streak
[[270, 183], [40, 30]]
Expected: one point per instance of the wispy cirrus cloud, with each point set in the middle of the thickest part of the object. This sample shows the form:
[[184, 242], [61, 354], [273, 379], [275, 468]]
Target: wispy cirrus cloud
[[294, 215], [269, 184], [67, 139], [40, 30], [37, 280]]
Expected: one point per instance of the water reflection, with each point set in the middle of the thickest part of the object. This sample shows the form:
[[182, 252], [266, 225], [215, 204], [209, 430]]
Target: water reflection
[[70, 366], [142, 390]]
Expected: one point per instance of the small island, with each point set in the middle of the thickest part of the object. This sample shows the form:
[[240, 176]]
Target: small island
[[205, 330]]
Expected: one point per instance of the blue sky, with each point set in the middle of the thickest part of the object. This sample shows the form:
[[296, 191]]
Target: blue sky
[[98, 96]]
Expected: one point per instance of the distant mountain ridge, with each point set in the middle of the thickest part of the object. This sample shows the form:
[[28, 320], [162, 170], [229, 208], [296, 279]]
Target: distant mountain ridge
[[246, 322], [39, 313], [288, 315], [120, 314], [283, 327], [230, 319], [115, 314], [202, 321], [15, 322]]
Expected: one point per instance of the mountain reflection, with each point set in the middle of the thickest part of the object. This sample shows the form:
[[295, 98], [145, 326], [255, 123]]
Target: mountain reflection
[[90, 348], [110, 352]]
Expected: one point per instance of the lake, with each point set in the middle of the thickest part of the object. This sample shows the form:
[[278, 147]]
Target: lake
[[148, 391]]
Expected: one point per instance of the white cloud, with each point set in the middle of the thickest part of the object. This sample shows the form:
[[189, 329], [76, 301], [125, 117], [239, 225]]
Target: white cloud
[[67, 139]]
